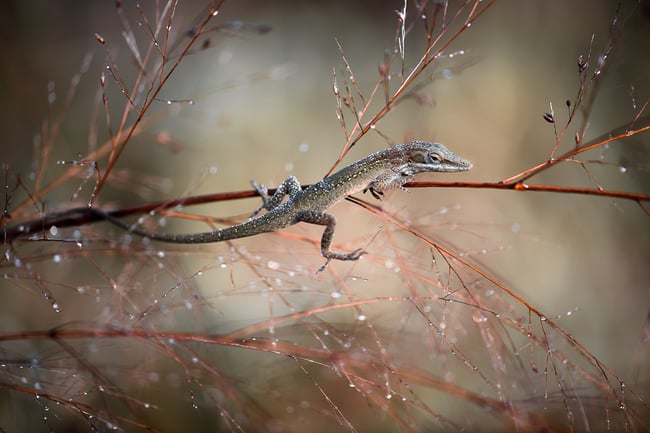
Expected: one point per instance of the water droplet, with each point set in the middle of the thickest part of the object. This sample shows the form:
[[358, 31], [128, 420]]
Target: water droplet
[[479, 317], [57, 258], [54, 231], [622, 169]]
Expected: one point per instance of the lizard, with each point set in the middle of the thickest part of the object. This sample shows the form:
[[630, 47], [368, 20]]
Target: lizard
[[377, 173]]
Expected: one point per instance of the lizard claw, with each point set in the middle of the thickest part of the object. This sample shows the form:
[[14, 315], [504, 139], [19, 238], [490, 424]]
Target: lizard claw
[[376, 194], [322, 268], [354, 255], [264, 194]]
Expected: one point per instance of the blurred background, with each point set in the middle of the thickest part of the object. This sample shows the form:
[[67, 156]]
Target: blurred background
[[263, 108]]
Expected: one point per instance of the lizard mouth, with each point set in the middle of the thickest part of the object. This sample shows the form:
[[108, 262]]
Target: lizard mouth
[[447, 166]]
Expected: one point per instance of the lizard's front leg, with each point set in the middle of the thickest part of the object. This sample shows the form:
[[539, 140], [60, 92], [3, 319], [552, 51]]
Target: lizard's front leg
[[329, 221], [290, 186], [391, 180]]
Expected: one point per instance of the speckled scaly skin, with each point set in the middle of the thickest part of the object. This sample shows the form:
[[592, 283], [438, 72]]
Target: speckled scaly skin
[[381, 171]]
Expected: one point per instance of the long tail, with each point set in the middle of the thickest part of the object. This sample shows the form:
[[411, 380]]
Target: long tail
[[255, 226]]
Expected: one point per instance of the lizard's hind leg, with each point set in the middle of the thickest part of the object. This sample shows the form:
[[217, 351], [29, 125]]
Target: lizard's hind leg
[[329, 221], [290, 186]]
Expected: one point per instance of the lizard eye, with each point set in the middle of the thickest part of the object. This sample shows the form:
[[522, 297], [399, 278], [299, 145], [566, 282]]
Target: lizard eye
[[434, 157]]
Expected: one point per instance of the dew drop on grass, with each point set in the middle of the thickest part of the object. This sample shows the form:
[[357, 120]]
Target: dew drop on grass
[[479, 317]]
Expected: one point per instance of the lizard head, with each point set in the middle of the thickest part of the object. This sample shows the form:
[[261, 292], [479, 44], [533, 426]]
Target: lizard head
[[423, 156], [411, 158]]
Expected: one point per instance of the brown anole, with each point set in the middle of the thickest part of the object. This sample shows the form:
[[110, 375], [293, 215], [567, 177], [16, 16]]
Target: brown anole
[[381, 171]]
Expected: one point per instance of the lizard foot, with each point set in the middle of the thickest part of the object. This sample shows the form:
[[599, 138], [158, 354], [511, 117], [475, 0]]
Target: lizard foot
[[354, 255], [264, 194]]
